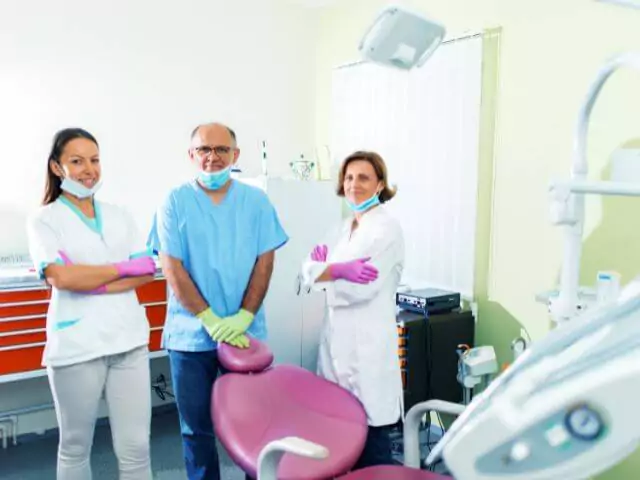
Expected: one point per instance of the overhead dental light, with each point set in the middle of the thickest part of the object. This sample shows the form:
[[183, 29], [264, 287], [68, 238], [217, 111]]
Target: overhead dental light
[[401, 38]]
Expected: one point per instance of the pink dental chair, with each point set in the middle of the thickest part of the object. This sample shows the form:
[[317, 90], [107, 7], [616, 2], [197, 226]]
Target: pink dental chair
[[283, 422]]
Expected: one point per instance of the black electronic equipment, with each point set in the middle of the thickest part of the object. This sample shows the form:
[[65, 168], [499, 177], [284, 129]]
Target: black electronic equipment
[[428, 301]]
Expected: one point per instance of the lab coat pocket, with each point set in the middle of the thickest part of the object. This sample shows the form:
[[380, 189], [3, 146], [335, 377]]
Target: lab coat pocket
[[69, 334]]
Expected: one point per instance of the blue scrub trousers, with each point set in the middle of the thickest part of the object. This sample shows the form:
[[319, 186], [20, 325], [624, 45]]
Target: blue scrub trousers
[[193, 374], [377, 448]]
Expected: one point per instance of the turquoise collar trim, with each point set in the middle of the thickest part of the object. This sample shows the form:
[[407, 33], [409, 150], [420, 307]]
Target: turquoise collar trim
[[94, 224], [148, 252]]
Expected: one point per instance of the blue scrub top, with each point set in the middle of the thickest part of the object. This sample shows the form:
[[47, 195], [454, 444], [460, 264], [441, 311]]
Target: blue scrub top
[[218, 246]]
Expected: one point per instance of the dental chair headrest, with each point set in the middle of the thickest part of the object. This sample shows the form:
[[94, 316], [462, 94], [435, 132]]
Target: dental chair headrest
[[245, 360]]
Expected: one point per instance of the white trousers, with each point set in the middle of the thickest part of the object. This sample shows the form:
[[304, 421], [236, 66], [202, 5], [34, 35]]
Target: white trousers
[[77, 389]]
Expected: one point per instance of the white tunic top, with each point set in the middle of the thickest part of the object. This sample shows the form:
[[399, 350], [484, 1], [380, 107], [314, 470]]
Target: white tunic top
[[82, 326], [359, 343]]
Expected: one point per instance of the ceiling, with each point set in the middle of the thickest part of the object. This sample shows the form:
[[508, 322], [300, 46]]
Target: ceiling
[[624, 3]]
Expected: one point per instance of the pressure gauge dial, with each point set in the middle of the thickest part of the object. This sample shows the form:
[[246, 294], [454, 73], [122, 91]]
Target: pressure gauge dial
[[584, 423]]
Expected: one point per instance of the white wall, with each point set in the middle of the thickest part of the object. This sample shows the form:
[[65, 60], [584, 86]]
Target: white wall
[[140, 75]]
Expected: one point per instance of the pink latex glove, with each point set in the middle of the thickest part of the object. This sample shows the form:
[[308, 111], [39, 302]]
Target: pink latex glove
[[319, 253], [67, 261], [355, 271], [137, 267]]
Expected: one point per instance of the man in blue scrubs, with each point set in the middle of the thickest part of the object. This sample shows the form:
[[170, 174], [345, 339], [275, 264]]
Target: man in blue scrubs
[[216, 238]]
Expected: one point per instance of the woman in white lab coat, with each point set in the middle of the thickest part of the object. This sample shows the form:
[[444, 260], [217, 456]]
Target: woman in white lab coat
[[97, 332], [359, 267]]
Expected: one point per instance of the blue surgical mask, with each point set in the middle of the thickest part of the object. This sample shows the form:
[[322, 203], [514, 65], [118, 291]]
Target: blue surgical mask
[[367, 204], [215, 180], [77, 189]]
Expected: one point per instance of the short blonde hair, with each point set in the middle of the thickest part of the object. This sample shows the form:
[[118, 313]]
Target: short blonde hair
[[379, 167]]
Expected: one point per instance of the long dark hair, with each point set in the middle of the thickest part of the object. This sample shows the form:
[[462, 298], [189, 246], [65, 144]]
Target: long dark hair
[[52, 189]]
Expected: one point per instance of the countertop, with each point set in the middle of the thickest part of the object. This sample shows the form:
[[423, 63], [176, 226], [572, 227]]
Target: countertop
[[26, 278]]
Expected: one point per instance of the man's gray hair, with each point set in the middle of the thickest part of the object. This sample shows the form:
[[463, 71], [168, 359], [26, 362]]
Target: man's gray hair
[[230, 130]]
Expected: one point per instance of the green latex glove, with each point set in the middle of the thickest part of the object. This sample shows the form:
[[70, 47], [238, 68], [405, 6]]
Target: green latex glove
[[233, 326], [212, 324], [241, 341]]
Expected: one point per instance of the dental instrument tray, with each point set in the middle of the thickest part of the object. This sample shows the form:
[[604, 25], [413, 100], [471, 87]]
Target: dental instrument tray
[[428, 301]]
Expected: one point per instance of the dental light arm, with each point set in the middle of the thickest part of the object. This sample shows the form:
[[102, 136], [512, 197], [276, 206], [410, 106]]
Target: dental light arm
[[568, 201]]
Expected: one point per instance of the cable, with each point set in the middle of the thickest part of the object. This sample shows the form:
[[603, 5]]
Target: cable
[[160, 387]]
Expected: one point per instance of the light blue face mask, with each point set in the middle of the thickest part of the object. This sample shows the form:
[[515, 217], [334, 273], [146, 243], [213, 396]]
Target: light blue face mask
[[77, 189], [367, 204], [215, 180]]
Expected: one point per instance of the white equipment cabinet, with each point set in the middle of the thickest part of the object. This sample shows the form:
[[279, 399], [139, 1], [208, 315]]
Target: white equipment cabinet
[[308, 210]]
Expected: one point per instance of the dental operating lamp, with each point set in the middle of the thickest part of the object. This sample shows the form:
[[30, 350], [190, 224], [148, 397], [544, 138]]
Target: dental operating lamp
[[401, 38]]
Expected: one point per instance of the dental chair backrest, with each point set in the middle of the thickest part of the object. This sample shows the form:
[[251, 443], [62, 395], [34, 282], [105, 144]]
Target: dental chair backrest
[[258, 402]]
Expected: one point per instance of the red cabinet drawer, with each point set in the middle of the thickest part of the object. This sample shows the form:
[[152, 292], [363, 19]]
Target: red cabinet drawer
[[155, 340], [21, 309], [24, 323], [153, 292], [19, 296], [24, 337], [156, 315], [20, 359]]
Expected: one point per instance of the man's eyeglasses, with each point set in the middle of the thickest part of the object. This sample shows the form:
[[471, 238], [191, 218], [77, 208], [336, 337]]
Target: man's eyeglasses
[[219, 150]]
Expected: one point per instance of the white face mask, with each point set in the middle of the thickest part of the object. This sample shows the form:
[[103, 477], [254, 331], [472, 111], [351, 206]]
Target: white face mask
[[77, 189]]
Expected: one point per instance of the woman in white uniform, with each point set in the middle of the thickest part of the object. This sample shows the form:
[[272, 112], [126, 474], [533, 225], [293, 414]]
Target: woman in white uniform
[[97, 332], [359, 267]]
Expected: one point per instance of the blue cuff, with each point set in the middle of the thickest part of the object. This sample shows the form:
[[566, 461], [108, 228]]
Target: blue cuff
[[44, 265]]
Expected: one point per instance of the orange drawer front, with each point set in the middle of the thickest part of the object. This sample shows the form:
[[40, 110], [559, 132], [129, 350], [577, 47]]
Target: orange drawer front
[[19, 296], [156, 315], [153, 292], [22, 338], [155, 340], [37, 307], [22, 324], [19, 360]]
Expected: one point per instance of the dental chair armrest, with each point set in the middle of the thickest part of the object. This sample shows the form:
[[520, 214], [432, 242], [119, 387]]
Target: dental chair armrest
[[412, 424], [271, 454]]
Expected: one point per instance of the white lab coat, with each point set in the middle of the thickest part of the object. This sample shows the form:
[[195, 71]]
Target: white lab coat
[[359, 341], [82, 326]]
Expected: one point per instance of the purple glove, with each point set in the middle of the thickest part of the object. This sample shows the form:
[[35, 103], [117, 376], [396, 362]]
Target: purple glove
[[67, 261], [137, 267], [355, 271], [319, 253]]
